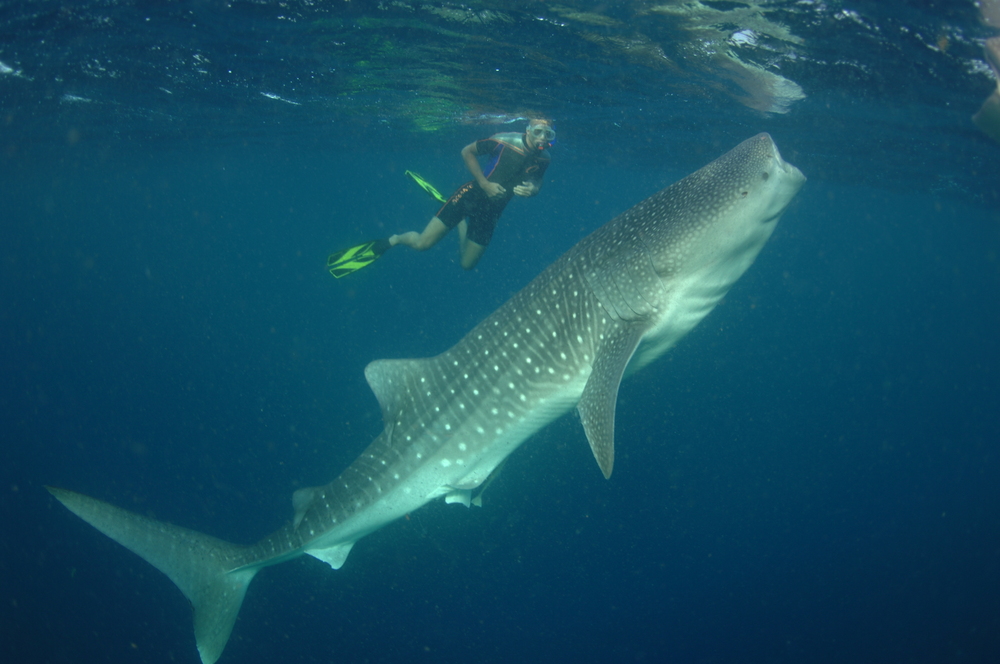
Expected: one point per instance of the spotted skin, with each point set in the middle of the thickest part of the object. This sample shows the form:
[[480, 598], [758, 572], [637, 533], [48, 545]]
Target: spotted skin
[[617, 300]]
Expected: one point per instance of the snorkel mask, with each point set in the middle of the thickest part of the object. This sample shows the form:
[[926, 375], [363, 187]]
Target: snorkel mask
[[542, 133]]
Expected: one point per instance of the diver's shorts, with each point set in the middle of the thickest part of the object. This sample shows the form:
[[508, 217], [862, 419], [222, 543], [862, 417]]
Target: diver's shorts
[[469, 202]]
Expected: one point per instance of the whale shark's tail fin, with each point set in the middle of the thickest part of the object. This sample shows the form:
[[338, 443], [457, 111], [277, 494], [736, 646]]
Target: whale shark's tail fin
[[208, 571]]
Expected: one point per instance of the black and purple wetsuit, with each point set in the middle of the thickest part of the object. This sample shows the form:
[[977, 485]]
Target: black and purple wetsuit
[[511, 163]]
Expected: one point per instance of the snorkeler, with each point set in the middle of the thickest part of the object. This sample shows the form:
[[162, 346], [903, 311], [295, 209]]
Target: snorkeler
[[515, 167]]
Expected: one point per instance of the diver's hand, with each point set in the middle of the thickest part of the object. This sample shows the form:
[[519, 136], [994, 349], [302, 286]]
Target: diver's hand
[[526, 189], [493, 190]]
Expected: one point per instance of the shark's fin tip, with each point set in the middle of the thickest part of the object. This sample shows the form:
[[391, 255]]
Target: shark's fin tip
[[461, 496], [335, 556]]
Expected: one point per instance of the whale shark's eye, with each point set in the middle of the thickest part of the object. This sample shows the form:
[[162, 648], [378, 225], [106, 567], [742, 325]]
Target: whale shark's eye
[[765, 175], [743, 194]]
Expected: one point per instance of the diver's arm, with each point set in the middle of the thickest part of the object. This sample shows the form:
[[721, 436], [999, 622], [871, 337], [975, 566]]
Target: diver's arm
[[528, 188], [492, 189], [532, 185]]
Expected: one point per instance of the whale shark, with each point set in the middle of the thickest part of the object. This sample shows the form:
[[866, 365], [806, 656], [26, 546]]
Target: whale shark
[[610, 305]]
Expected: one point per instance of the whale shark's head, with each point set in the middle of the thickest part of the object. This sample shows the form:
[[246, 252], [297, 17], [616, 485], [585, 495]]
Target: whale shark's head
[[721, 215]]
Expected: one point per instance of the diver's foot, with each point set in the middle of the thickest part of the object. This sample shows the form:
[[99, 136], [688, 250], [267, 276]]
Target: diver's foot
[[409, 239]]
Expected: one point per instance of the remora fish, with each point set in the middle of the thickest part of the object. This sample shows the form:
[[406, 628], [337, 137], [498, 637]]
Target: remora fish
[[618, 299]]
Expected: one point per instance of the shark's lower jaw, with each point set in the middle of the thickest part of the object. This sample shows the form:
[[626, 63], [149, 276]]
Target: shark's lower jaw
[[613, 303]]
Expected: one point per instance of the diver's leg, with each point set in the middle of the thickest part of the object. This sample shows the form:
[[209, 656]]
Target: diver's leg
[[468, 251], [480, 228], [430, 236], [471, 253]]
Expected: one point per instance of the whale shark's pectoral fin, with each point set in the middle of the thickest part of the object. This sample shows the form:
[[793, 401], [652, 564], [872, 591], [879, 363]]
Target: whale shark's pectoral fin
[[597, 403]]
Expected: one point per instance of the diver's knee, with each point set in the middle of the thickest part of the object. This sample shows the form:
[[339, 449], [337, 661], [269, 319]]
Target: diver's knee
[[423, 244]]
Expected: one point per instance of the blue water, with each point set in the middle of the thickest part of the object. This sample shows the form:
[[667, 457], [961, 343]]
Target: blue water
[[811, 475]]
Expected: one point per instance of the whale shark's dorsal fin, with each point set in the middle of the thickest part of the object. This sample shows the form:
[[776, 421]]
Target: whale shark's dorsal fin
[[301, 500], [389, 380]]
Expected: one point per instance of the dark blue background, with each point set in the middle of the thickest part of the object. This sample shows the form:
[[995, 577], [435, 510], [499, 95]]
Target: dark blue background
[[811, 475]]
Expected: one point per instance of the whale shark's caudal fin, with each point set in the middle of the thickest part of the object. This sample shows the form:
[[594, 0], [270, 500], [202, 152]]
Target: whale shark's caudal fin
[[207, 570]]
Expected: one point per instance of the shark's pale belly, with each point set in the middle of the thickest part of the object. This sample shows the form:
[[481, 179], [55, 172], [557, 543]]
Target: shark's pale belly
[[464, 451], [456, 464]]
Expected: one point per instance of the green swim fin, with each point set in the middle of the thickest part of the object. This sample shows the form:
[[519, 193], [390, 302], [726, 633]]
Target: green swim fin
[[351, 260], [427, 186]]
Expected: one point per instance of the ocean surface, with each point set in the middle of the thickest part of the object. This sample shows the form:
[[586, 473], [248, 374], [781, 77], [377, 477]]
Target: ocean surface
[[812, 475]]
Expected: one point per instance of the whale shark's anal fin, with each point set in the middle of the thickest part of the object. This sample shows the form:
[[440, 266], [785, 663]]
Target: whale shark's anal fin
[[207, 570], [334, 556], [597, 403]]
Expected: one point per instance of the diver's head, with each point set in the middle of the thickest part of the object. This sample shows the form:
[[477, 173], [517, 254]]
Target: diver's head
[[540, 133]]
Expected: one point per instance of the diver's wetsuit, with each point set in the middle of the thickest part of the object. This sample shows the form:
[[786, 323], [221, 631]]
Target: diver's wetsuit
[[511, 164]]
